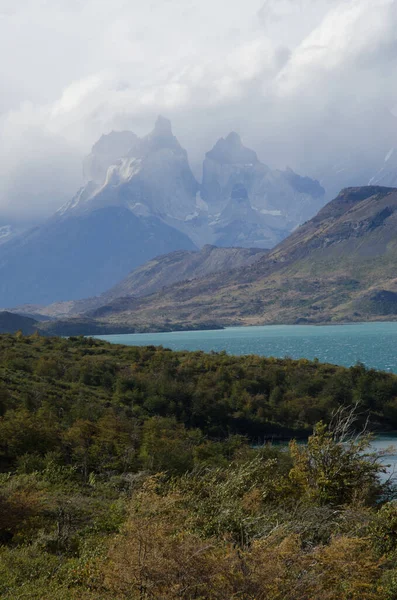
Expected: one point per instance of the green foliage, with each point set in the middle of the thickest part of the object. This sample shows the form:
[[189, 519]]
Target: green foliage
[[121, 465], [384, 529], [334, 471]]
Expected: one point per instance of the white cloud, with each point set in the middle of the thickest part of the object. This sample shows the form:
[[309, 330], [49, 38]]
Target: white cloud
[[283, 72]]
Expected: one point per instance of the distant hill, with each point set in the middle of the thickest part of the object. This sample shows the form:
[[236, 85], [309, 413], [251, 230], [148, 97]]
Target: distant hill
[[339, 266], [154, 275], [11, 322], [166, 270]]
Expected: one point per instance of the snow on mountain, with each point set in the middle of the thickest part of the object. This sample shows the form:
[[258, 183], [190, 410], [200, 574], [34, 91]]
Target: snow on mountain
[[6, 233], [154, 173], [387, 172]]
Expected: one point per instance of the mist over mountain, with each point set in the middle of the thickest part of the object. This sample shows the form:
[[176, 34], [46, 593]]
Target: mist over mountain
[[142, 200], [306, 84]]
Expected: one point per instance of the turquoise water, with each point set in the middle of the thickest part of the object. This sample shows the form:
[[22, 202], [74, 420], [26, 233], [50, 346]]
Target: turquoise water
[[387, 443], [374, 344]]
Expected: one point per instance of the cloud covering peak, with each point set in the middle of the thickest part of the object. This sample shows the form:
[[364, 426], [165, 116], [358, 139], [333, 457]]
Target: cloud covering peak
[[301, 80]]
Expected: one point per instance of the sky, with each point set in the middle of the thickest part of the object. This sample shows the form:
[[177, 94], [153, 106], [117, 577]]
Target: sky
[[307, 83]]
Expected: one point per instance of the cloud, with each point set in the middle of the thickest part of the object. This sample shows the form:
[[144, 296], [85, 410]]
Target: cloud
[[295, 77]]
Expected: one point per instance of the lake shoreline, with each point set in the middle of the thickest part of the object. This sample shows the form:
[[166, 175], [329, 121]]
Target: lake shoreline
[[373, 344]]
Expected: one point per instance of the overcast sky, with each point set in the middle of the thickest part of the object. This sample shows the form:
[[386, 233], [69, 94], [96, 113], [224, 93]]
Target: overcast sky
[[296, 78]]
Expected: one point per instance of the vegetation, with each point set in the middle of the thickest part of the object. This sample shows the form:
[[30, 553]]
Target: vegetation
[[135, 473]]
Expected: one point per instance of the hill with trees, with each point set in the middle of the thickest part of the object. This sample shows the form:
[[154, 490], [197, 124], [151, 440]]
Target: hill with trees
[[136, 473]]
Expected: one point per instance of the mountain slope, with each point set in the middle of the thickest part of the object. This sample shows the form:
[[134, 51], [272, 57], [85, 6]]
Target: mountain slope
[[154, 275], [178, 266], [338, 266], [72, 257], [11, 322], [108, 229]]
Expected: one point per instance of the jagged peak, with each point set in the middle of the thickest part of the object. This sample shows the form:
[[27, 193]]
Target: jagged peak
[[162, 126], [230, 150], [234, 138], [161, 137]]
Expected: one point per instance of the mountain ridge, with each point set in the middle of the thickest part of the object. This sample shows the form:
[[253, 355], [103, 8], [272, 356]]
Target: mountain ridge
[[339, 266]]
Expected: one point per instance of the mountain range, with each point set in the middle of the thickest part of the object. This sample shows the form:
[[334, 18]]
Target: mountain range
[[141, 200], [339, 266]]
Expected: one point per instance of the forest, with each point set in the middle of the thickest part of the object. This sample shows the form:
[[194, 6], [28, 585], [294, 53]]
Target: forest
[[142, 473]]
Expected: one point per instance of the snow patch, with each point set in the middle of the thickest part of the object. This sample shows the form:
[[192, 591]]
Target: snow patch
[[5, 232], [389, 154], [200, 203], [274, 213], [139, 209]]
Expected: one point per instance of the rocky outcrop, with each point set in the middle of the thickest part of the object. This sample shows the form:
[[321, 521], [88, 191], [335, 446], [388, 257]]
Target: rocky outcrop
[[107, 151], [151, 178], [284, 198], [239, 224]]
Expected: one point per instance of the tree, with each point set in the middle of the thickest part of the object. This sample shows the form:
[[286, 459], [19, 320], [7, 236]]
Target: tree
[[336, 466]]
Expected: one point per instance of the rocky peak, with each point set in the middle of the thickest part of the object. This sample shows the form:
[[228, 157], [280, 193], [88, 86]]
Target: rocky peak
[[161, 138], [109, 149], [230, 150], [304, 185], [162, 126]]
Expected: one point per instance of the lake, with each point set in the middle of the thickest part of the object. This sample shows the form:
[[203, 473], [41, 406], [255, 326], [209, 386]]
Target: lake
[[374, 344]]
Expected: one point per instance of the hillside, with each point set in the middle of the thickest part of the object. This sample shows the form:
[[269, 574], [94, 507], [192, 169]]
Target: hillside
[[11, 322], [129, 469], [338, 266], [155, 275]]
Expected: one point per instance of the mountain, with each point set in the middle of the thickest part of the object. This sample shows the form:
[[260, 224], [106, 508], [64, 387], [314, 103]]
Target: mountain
[[141, 200], [72, 257], [149, 176], [368, 134], [239, 224], [107, 151], [11, 322], [338, 266], [282, 198], [106, 230], [164, 271], [152, 177], [156, 274]]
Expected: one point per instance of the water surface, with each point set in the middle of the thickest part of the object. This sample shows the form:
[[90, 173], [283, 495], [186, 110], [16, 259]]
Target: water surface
[[374, 344]]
